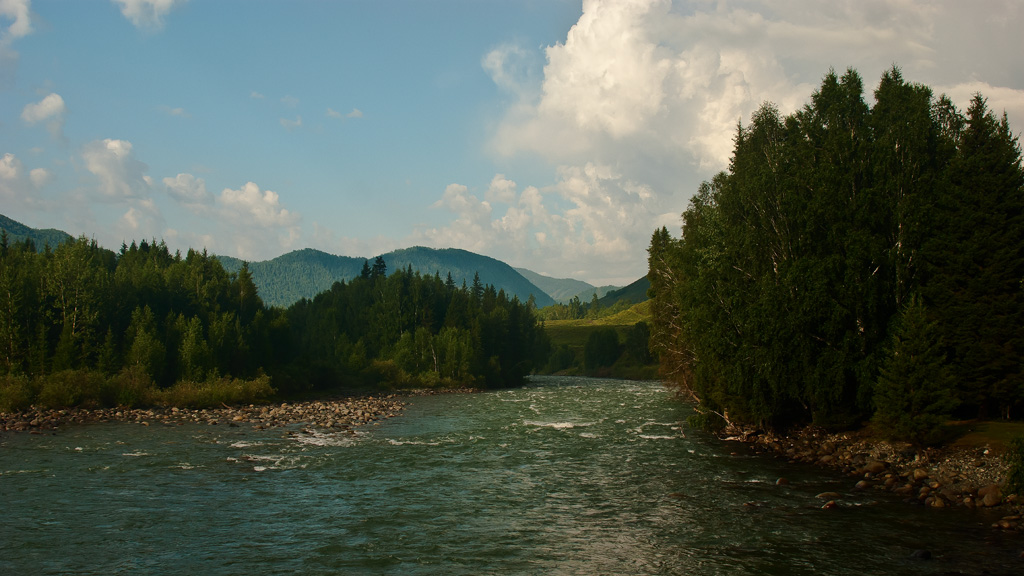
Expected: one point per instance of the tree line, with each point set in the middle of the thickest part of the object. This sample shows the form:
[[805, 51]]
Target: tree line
[[104, 327], [853, 262]]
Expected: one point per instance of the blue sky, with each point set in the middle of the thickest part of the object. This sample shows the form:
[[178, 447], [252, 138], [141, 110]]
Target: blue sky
[[552, 134]]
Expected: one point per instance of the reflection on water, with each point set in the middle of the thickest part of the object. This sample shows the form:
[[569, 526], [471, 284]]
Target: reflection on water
[[564, 476]]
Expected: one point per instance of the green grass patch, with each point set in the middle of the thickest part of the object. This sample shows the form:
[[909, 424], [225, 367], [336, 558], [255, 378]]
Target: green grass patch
[[980, 433]]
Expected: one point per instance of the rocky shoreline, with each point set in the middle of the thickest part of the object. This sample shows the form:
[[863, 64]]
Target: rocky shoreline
[[338, 414], [938, 478]]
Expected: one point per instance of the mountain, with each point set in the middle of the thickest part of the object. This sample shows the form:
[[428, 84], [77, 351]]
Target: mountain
[[305, 273], [16, 232], [463, 265], [561, 289], [635, 293], [290, 277]]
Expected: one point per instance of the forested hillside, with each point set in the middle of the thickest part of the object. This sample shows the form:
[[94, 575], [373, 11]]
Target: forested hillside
[[290, 277], [82, 324], [284, 280], [854, 262], [17, 232]]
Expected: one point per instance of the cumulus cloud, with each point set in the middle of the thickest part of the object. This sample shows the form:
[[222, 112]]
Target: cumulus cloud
[[15, 22], [50, 111], [641, 100], [1000, 99], [355, 113], [18, 189], [147, 13], [120, 174], [189, 191], [258, 218], [501, 189], [10, 167], [263, 207], [590, 223], [332, 113]]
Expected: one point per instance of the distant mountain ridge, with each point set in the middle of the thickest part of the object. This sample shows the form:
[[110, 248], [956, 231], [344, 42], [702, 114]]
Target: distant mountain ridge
[[560, 289], [286, 279], [16, 232], [305, 273]]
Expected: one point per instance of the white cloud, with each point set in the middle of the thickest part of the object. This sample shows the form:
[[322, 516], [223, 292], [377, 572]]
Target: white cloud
[[258, 225], [119, 173], [291, 124], [501, 189], [591, 223], [189, 191], [641, 100], [999, 98], [10, 167], [15, 22], [256, 95], [263, 207], [147, 13], [40, 177], [50, 110], [332, 113], [290, 101], [355, 113]]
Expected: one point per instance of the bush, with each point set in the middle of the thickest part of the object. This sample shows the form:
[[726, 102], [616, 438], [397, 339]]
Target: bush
[[216, 392], [16, 393], [132, 387], [1014, 459]]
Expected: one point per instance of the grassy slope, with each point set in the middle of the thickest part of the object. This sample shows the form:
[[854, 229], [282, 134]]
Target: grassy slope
[[574, 333]]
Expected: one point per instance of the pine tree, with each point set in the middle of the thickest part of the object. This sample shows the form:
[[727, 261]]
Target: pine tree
[[914, 395]]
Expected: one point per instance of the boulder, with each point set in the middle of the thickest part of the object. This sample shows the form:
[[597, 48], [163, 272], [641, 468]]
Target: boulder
[[874, 467]]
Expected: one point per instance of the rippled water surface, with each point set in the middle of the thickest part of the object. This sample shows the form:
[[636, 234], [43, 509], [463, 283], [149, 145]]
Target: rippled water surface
[[563, 476]]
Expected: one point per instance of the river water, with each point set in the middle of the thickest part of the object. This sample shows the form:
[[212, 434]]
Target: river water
[[562, 476]]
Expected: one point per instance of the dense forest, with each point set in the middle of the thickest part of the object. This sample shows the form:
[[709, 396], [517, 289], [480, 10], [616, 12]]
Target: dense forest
[[80, 324], [854, 262]]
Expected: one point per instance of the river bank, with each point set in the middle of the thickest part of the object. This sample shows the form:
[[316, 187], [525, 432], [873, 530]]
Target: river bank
[[331, 414], [949, 476]]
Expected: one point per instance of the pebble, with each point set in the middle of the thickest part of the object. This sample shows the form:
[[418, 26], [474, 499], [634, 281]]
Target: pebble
[[330, 414]]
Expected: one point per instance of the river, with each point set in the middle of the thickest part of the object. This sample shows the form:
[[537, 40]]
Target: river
[[562, 476]]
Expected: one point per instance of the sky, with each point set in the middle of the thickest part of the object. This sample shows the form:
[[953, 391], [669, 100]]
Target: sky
[[555, 135]]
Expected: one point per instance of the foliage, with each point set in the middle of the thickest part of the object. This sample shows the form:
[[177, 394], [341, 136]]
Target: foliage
[[1014, 458], [602, 348], [216, 392], [16, 393], [914, 395], [417, 330], [778, 304]]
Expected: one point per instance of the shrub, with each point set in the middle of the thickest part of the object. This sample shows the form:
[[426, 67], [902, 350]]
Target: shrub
[[216, 392], [16, 393], [131, 387], [1014, 459]]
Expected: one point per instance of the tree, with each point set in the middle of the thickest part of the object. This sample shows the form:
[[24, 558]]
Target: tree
[[602, 348], [914, 395]]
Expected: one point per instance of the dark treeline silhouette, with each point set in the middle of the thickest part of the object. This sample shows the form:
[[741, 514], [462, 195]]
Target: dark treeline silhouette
[[146, 318], [853, 262]]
